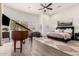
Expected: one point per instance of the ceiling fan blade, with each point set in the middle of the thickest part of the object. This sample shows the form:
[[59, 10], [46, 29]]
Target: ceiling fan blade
[[42, 5], [49, 5], [50, 8]]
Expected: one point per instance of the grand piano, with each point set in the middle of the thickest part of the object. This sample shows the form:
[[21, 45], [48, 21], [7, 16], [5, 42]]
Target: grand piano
[[20, 36], [16, 34]]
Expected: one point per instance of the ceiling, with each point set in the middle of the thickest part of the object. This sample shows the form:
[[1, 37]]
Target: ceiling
[[34, 7]]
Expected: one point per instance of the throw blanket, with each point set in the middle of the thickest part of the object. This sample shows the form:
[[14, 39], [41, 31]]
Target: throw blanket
[[60, 35]]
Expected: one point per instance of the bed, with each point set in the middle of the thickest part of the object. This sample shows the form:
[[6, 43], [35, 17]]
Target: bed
[[62, 33]]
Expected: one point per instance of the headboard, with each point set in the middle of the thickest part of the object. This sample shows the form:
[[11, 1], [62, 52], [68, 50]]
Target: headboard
[[67, 27], [59, 23]]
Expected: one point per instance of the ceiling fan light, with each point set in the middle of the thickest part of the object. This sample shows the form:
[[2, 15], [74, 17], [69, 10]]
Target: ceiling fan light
[[45, 8]]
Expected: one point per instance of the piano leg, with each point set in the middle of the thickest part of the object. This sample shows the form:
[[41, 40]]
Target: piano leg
[[21, 46], [14, 46], [18, 48]]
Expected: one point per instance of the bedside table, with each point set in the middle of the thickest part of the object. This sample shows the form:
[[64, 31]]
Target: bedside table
[[76, 36], [6, 35]]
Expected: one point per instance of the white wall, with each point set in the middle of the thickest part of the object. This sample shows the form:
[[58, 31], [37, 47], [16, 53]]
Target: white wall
[[40, 22], [67, 15], [0, 23], [49, 23], [45, 22], [33, 20]]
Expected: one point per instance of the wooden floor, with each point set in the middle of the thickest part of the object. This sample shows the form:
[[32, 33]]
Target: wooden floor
[[40, 49], [37, 49]]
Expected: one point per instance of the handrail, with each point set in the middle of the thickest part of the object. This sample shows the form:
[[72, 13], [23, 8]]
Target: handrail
[[22, 25]]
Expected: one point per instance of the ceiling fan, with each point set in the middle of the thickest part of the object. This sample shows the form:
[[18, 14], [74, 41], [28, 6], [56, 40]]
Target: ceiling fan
[[46, 7]]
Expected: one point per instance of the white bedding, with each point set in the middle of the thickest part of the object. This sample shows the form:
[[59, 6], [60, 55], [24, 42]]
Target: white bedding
[[60, 35]]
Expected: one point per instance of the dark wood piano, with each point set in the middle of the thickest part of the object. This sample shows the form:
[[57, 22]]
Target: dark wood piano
[[20, 36]]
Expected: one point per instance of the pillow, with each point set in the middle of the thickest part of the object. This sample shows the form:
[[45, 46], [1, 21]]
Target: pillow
[[59, 30], [56, 30], [68, 31]]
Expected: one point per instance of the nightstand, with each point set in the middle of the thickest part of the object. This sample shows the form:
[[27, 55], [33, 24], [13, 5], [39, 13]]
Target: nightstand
[[6, 35], [77, 36]]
